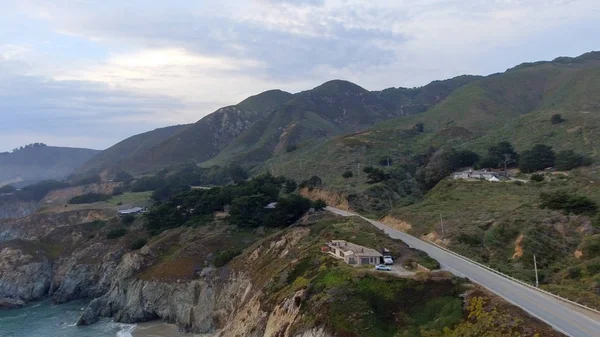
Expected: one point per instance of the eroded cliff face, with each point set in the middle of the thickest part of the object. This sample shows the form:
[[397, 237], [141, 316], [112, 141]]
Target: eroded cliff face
[[12, 207], [229, 301], [24, 276]]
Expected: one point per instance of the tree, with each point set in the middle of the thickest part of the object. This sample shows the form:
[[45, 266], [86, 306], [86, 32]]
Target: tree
[[537, 177], [290, 186], [561, 200], [538, 158], [375, 175], [466, 158], [311, 183], [347, 174], [124, 177], [237, 173], [557, 119], [501, 154], [419, 127], [568, 160]]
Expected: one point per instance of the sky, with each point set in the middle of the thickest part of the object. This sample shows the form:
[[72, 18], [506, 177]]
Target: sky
[[87, 73]]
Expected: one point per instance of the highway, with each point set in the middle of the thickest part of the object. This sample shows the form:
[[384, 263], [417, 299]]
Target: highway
[[562, 316]]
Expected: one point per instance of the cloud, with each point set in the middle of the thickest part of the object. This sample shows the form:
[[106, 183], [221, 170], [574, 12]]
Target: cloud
[[148, 63], [40, 108]]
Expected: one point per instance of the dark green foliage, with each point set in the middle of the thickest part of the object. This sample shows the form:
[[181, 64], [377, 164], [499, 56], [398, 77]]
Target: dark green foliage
[[237, 173], [94, 179], [148, 184], [319, 204], [290, 186], [89, 198], [37, 192], [561, 200], [440, 165], [557, 119], [119, 190], [116, 233], [247, 199], [7, 189], [138, 243], [498, 154], [537, 177], [223, 257], [419, 127], [123, 177], [471, 240], [568, 160], [289, 209], [466, 158], [291, 148], [538, 158], [249, 211], [347, 174], [128, 219], [375, 175], [311, 183]]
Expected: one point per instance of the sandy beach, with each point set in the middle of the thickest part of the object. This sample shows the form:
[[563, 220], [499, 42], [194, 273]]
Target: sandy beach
[[161, 329]]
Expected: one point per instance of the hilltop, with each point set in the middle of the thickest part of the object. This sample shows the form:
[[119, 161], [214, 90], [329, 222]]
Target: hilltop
[[36, 162]]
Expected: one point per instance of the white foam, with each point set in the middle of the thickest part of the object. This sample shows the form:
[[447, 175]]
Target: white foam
[[126, 330]]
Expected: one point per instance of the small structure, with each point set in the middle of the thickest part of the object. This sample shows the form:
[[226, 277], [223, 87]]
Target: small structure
[[271, 205], [470, 174], [131, 211], [352, 253]]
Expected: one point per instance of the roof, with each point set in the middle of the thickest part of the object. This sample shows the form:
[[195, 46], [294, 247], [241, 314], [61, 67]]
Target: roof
[[271, 205], [354, 249], [131, 210]]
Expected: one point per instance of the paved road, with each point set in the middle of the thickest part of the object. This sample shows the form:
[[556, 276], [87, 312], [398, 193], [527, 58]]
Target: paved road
[[560, 315]]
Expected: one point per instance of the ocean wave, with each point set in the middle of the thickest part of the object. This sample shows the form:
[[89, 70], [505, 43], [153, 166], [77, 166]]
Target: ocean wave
[[125, 330]]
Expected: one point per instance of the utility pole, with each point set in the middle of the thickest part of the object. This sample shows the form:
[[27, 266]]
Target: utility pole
[[388, 161], [537, 281], [357, 169], [442, 223]]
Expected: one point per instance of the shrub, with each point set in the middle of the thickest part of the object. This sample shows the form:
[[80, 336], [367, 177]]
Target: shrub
[[138, 243], [291, 148], [537, 177], [568, 203], [319, 204], [128, 219], [519, 183], [116, 233], [347, 174], [385, 161], [290, 186], [557, 119], [419, 127], [223, 257], [148, 184], [311, 183], [568, 160], [89, 198]]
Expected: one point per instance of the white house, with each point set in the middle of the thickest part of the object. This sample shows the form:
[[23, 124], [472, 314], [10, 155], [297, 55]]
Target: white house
[[352, 253], [470, 174]]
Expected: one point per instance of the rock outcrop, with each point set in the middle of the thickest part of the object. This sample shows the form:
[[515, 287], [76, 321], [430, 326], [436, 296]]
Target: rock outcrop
[[23, 276]]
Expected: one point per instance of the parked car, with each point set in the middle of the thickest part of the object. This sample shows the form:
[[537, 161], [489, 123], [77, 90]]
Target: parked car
[[387, 259], [383, 267]]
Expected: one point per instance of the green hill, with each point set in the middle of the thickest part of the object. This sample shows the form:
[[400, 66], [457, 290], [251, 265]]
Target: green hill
[[37, 162], [190, 143], [334, 108], [119, 155], [516, 105]]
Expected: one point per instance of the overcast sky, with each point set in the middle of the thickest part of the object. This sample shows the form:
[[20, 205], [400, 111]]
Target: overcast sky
[[87, 73]]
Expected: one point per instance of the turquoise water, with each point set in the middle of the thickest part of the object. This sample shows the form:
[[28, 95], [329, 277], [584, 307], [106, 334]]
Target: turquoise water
[[43, 319]]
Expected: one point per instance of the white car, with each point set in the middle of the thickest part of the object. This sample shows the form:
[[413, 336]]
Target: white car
[[383, 267], [388, 260]]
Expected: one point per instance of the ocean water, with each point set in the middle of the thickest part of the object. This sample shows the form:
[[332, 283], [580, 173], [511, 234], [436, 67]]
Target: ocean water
[[44, 319]]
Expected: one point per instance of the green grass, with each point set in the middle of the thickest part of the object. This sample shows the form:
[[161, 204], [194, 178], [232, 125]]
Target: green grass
[[130, 198], [484, 220]]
